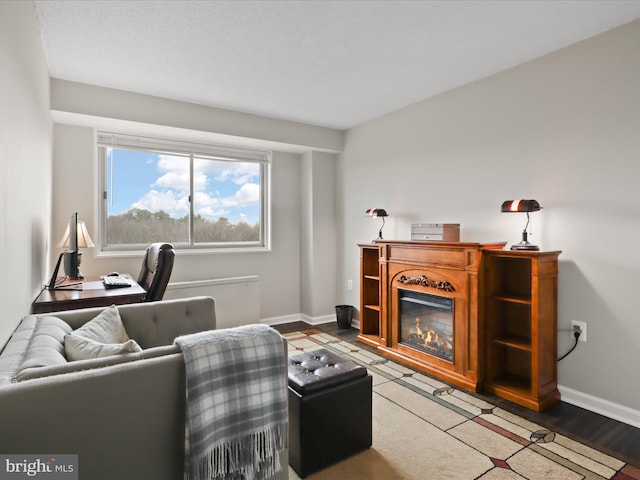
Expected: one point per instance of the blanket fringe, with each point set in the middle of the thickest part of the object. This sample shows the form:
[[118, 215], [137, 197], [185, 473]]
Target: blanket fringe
[[253, 457]]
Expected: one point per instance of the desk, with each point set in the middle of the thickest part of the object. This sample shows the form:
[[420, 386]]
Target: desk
[[93, 294]]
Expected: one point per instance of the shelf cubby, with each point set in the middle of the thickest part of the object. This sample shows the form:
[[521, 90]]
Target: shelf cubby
[[520, 321], [370, 294]]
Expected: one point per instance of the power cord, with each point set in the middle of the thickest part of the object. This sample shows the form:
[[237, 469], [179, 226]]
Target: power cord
[[576, 335]]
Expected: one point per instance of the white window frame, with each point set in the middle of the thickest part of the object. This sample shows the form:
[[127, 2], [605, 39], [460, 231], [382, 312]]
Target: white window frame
[[188, 149]]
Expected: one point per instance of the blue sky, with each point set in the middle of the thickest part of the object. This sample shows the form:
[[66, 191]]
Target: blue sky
[[161, 182]]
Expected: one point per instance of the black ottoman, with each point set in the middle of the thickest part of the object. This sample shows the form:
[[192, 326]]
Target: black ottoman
[[329, 410]]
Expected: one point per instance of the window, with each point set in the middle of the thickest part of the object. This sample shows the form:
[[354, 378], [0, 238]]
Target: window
[[192, 195]]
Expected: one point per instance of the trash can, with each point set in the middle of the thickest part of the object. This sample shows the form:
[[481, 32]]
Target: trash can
[[344, 315]]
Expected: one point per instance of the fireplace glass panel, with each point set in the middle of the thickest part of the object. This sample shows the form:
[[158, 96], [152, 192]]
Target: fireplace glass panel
[[426, 323]]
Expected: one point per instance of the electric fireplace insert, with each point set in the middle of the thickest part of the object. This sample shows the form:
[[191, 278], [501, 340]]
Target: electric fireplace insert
[[426, 323]]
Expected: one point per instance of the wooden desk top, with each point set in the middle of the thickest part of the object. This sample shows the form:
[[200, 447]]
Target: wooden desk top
[[93, 294]]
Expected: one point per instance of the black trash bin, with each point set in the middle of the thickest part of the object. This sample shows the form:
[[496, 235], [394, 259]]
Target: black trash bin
[[344, 315]]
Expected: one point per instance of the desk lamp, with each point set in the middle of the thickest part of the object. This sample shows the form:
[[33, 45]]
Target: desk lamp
[[84, 241], [378, 212], [522, 206]]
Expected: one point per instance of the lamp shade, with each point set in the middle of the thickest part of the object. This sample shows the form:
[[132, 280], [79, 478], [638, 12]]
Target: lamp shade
[[377, 212], [520, 206], [84, 240]]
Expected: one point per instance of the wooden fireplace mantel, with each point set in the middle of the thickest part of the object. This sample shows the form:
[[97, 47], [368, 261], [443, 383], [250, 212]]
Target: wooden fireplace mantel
[[503, 331]]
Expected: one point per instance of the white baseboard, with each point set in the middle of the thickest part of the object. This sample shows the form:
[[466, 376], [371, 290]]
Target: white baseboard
[[301, 317], [599, 405], [283, 319], [319, 320]]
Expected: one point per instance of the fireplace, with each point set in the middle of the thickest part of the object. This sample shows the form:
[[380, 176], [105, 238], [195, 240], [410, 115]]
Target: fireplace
[[420, 305], [471, 314], [426, 323]]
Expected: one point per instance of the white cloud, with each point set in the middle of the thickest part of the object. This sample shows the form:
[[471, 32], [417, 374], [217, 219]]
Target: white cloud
[[248, 194], [238, 173], [209, 206], [173, 180], [176, 206], [210, 212], [175, 174], [170, 192]]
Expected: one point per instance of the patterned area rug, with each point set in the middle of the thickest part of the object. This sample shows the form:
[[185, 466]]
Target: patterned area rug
[[425, 429]]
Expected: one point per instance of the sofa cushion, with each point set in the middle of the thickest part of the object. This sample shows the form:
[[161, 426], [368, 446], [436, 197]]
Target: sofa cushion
[[80, 348], [47, 343], [153, 324], [97, 363], [102, 336], [38, 342]]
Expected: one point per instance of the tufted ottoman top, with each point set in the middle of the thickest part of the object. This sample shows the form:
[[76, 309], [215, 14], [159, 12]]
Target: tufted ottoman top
[[319, 369]]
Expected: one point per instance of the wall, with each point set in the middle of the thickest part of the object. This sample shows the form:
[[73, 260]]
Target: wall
[[562, 129], [25, 163], [99, 102], [318, 237]]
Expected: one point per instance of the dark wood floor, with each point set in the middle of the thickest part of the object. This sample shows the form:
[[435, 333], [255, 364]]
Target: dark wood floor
[[610, 436]]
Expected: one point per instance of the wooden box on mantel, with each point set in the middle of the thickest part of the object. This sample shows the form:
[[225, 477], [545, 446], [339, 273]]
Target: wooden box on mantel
[[443, 232]]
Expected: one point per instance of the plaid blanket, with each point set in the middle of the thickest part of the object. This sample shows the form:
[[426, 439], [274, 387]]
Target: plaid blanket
[[237, 417]]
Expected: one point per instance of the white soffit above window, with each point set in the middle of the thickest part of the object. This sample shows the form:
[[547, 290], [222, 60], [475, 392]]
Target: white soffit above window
[[328, 63]]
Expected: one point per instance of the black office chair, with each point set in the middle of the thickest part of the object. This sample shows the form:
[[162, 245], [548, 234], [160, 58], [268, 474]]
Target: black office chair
[[156, 270]]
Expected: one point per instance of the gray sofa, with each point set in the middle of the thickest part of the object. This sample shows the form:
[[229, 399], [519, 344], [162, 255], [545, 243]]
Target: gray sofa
[[123, 415]]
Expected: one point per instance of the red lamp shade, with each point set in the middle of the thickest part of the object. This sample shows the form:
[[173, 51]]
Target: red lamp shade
[[520, 206], [377, 212]]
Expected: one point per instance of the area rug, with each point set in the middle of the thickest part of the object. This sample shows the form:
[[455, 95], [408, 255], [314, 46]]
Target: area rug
[[424, 429]]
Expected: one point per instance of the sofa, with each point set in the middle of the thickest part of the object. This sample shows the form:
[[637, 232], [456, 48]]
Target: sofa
[[123, 415]]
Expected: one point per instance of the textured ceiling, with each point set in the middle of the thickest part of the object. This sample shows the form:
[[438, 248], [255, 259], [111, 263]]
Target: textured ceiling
[[329, 63]]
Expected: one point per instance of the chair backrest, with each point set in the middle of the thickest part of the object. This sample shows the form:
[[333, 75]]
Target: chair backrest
[[156, 270]]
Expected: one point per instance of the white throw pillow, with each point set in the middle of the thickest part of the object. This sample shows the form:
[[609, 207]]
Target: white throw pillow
[[103, 335], [107, 327], [79, 348]]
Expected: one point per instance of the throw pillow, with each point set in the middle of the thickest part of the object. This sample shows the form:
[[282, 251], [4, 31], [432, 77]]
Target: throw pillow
[[107, 327], [80, 348], [103, 335]]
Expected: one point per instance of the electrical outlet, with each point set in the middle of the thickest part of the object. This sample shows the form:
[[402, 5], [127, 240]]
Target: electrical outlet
[[349, 284], [582, 326]]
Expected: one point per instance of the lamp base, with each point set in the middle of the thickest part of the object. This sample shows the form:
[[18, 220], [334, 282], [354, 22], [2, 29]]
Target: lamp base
[[71, 268], [524, 246], [379, 233]]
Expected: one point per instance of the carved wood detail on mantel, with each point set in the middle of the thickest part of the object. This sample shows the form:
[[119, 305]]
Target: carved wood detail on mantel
[[426, 282]]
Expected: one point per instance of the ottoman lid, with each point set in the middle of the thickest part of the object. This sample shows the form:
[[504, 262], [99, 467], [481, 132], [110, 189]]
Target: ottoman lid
[[319, 369]]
